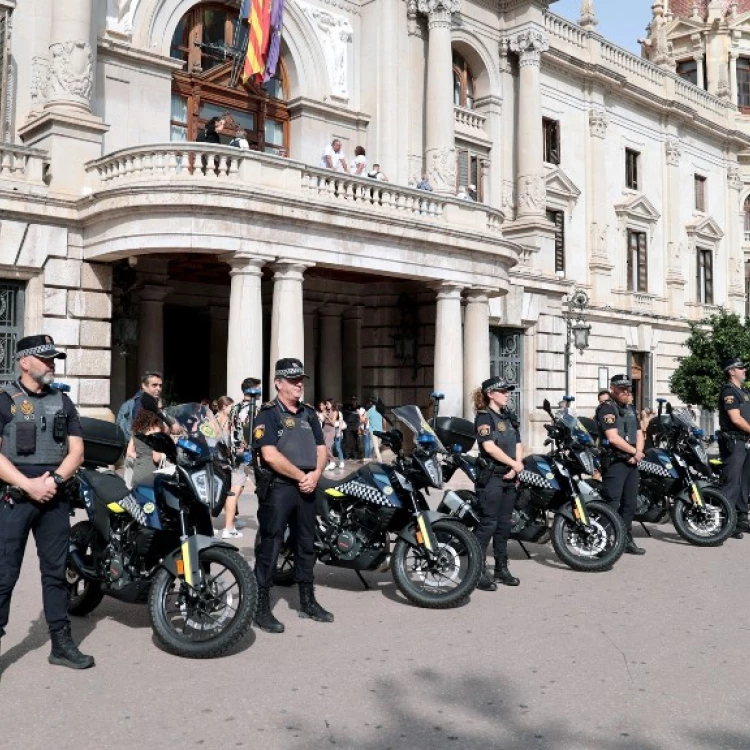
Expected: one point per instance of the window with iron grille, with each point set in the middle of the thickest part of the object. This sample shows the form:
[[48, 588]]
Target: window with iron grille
[[551, 129], [704, 281], [558, 219], [700, 193], [506, 360], [5, 87], [637, 262], [632, 161], [11, 327]]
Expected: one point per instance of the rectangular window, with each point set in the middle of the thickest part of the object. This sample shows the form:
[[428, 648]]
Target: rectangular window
[[688, 69], [558, 219], [551, 130], [632, 159], [637, 262], [700, 193], [705, 277], [178, 125], [743, 84], [469, 171], [5, 91]]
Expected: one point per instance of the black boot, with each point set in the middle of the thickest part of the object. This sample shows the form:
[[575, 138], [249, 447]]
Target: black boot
[[485, 582], [742, 523], [632, 548], [65, 653], [308, 605], [502, 574], [264, 619]]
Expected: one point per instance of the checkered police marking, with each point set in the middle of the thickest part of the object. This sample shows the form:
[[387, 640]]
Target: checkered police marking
[[132, 506], [534, 480], [363, 491], [649, 467]]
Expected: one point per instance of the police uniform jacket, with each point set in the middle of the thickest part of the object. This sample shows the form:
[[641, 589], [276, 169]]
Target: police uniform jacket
[[296, 435], [622, 418], [35, 428], [731, 398], [502, 429]]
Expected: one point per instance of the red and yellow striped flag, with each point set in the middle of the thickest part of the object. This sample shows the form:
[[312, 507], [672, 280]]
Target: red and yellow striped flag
[[259, 21]]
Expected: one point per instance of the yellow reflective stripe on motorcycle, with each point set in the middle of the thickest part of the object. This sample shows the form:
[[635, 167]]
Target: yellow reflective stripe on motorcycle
[[186, 563], [334, 492], [115, 508], [697, 499], [580, 512], [423, 530]]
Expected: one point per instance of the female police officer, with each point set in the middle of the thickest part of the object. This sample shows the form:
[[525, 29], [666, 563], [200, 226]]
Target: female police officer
[[496, 429]]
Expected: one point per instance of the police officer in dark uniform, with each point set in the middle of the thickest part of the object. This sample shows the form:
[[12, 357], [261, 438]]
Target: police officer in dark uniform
[[623, 442], [734, 442], [290, 456], [41, 447], [496, 429]]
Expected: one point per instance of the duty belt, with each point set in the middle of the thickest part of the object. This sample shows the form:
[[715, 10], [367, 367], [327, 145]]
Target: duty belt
[[736, 434]]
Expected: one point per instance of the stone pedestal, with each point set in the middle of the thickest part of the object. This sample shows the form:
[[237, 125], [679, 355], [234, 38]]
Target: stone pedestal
[[476, 346], [287, 315], [449, 360]]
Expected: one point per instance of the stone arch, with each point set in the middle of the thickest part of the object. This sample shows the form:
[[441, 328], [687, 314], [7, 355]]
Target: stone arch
[[480, 60], [154, 22]]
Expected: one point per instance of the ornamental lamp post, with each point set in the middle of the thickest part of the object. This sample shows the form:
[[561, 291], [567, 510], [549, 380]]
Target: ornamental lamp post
[[577, 330]]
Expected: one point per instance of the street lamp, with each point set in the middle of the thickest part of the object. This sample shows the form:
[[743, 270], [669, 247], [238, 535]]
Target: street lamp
[[577, 330]]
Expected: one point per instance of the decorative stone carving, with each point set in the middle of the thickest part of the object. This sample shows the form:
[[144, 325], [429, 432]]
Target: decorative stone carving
[[412, 19], [39, 82], [657, 46], [120, 16], [439, 11], [734, 177], [504, 66], [334, 33], [588, 19], [599, 246], [441, 168], [598, 123], [509, 195], [71, 71], [529, 45], [531, 193], [674, 152], [723, 90]]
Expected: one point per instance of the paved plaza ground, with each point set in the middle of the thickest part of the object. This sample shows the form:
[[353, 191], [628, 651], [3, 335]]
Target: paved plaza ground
[[652, 655]]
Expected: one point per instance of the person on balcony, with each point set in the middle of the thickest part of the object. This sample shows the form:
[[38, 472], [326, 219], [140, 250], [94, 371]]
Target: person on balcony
[[212, 131], [358, 166], [334, 157], [376, 174], [424, 183]]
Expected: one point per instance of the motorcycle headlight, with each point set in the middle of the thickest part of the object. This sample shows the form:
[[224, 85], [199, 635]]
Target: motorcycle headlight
[[202, 485], [433, 469], [587, 461], [700, 453]]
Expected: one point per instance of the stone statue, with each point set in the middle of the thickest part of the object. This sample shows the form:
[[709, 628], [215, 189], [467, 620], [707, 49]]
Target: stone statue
[[588, 19]]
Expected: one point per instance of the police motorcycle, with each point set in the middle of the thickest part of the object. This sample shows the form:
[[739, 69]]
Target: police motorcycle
[[679, 480], [586, 534], [435, 561], [156, 543]]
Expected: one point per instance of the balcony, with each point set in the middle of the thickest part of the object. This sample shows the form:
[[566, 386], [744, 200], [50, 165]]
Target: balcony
[[470, 123], [23, 169], [202, 197]]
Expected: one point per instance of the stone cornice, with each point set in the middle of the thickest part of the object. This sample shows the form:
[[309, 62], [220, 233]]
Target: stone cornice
[[138, 58], [327, 112]]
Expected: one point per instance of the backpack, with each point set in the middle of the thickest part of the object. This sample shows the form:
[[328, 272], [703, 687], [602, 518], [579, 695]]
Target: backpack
[[125, 417]]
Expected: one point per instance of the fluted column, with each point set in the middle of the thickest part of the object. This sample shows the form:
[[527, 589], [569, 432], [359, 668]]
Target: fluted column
[[331, 381], [287, 315], [476, 345], [531, 189], [733, 241], [449, 367], [676, 250], [599, 257], [245, 330], [151, 328], [440, 148]]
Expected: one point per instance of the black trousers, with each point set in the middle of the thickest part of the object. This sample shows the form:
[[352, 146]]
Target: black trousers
[[351, 443], [621, 485], [737, 474], [50, 524], [285, 506], [496, 501]]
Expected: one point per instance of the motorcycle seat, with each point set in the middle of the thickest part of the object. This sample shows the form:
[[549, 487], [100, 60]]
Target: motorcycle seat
[[108, 487]]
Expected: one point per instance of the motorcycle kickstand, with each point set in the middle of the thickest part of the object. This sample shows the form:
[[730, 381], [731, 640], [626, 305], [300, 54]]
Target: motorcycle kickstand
[[364, 583], [643, 525], [523, 547]]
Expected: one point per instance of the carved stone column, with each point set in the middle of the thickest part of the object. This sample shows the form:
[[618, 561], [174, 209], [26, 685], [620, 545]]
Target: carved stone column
[[440, 149], [449, 361], [476, 345], [600, 259], [736, 261], [675, 246]]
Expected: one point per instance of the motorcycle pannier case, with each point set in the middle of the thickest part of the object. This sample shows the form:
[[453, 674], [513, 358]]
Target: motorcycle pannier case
[[455, 431], [103, 443]]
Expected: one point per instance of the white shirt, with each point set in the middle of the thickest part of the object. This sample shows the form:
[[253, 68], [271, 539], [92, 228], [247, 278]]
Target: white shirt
[[356, 162], [335, 159]]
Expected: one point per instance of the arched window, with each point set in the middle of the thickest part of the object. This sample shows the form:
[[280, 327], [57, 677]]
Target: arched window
[[203, 40], [746, 209], [463, 83]]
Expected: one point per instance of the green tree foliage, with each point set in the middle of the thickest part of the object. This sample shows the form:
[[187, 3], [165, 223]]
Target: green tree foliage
[[699, 377]]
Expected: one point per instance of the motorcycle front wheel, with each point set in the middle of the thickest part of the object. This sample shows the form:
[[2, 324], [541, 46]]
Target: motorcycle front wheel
[[705, 527], [595, 548], [204, 624], [449, 581], [84, 595]]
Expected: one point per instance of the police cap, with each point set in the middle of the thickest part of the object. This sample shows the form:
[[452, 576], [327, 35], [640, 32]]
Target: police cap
[[620, 381], [290, 368], [731, 362], [41, 346], [497, 384]]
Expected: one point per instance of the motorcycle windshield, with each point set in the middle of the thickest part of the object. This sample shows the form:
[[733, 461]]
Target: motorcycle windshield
[[412, 418], [683, 418], [580, 434], [199, 424]]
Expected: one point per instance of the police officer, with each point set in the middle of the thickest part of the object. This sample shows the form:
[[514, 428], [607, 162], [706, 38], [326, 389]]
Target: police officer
[[291, 454], [623, 443], [496, 429], [41, 447], [734, 426]]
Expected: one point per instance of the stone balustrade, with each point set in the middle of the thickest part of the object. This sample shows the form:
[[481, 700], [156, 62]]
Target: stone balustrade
[[467, 120], [21, 165], [172, 164], [574, 43]]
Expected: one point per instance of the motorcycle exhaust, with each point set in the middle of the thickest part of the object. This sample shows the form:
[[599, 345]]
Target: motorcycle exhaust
[[80, 567]]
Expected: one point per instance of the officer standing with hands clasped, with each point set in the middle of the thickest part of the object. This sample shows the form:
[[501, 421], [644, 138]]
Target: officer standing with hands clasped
[[623, 442], [40, 450], [290, 455], [496, 429], [734, 439]]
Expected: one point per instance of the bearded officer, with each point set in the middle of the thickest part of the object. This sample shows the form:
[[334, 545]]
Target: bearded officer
[[40, 450], [291, 454], [623, 442], [734, 426]]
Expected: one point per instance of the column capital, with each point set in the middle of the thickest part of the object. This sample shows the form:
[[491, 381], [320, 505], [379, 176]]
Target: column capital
[[438, 12], [154, 293], [478, 295], [445, 290], [674, 152], [529, 45], [244, 263], [293, 270]]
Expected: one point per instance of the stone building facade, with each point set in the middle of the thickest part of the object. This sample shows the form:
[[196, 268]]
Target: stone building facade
[[138, 248]]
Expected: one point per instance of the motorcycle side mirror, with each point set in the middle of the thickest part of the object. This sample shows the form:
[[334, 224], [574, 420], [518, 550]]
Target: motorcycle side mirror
[[437, 395], [253, 392], [546, 406], [569, 399], [661, 401]]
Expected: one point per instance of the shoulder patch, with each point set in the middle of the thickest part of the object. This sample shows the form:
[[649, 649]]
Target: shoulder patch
[[484, 430], [267, 405], [609, 419], [730, 399], [259, 431]]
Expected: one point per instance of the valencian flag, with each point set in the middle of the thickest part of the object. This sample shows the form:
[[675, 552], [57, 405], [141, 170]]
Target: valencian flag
[[258, 15]]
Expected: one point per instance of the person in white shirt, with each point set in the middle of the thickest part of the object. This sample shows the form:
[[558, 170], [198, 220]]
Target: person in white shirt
[[358, 166], [376, 174], [333, 157]]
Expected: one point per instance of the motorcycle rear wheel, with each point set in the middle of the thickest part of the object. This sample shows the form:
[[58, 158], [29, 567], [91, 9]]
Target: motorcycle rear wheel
[[590, 553], [284, 573], [708, 532], [461, 566], [84, 596], [174, 617]]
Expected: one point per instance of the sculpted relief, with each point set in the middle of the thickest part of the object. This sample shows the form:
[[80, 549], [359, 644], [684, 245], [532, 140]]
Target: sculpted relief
[[120, 16], [71, 71]]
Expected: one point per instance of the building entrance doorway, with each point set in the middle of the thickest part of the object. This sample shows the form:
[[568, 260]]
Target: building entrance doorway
[[639, 371], [506, 360], [187, 354]]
